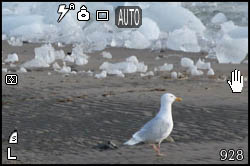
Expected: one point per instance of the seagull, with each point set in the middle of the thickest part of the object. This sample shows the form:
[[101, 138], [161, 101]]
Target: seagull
[[158, 128]]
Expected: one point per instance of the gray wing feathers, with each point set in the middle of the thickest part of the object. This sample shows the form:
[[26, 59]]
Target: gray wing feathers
[[154, 130]]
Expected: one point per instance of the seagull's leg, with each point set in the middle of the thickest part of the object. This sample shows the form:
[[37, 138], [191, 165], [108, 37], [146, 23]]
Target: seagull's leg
[[159, 152], [155, 148]]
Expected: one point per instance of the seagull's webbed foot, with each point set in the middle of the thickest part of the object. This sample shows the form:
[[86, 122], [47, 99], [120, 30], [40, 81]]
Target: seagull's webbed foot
[[160, 154], [157, 150]]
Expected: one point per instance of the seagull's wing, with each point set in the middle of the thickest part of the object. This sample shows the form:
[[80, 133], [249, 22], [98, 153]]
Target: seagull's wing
[[153, 131]]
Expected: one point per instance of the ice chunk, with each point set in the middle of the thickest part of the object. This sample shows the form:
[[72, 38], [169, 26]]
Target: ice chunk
[[45, 53], [4, 70], [59, 54], [78, 50], [22, 70], [116, 72], [157, 45], [183, 39], [194, 71], [105, 66], [11, 58], [56, 66], [90, 73], [125, 67], [65, 69], [12, 65], [165, 67], [174, 75], [131, 65], [106, 54], [157, 58], [169, 16], [141, 67], [230, 50], [150, 73], [233, 30], [93, 32], [44, 56], [69, 58], [4, 37], [59, 44], [239, 32], [35, 63], [78, 56], [219, 18], [187, 62], [228, 26], [150, 29], [210, 72], [81, 60], [120, 38], [211, 56], [132, 59], [15, 41], [180, 75], [133, 42], [73, 72], [203, 65], [103, 74]]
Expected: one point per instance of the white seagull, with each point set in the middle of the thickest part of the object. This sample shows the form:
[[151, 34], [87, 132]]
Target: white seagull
[[158, 128]]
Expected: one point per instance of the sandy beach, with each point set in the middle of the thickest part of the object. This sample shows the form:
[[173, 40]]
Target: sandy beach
[[70, 118]]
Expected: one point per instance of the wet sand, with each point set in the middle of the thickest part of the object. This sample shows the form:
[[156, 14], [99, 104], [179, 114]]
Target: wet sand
[[65, 119]]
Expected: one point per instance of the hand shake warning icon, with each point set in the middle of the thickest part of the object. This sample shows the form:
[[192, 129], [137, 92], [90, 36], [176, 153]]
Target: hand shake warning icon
[[236, 83]]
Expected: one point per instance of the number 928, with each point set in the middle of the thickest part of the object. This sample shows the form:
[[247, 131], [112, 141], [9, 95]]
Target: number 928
[[231, 155]]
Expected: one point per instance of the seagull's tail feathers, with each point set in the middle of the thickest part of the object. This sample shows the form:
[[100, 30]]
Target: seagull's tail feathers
[[132, 141]]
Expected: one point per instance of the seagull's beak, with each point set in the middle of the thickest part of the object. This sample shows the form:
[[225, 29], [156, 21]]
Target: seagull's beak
[[178, 99]]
